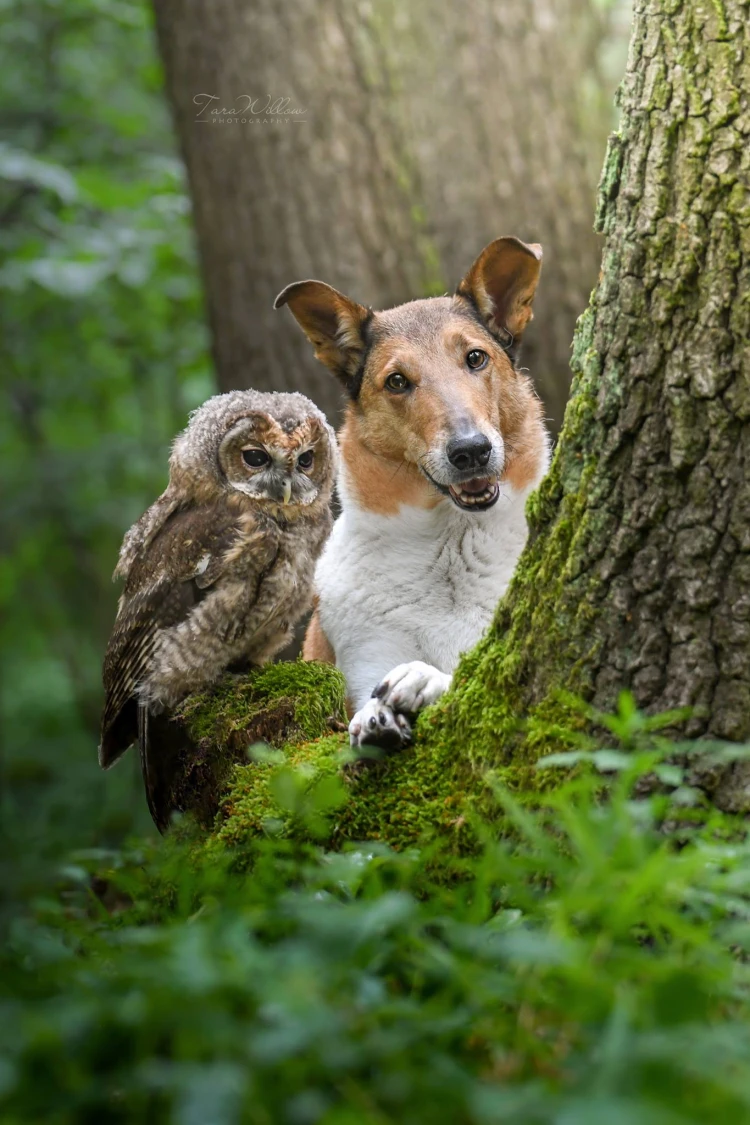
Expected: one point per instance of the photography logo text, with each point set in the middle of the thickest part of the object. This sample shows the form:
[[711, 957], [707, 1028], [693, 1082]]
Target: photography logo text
[[248, 110]]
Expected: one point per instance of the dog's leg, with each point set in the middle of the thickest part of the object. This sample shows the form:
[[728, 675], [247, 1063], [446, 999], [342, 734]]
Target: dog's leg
[[385, 719], [316, 645]]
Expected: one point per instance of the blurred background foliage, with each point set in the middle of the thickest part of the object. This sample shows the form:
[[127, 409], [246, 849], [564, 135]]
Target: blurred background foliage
[[103, 351]]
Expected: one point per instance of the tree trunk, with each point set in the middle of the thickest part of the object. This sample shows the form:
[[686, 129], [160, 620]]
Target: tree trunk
[[420, 142], [511, 142], [279, 197], [637, 573]]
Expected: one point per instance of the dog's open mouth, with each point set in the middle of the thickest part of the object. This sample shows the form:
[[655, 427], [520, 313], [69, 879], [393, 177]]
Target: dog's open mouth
[[477, 494]]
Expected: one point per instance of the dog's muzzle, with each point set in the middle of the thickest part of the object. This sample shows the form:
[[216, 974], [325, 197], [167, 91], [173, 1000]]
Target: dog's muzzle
[[474, 495], [467, 469]]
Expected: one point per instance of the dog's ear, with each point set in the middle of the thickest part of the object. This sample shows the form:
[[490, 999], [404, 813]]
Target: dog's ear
[[501, 285], [333, 324]]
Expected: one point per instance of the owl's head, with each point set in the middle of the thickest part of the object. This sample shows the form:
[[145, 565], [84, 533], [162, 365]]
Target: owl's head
[[272, 447]]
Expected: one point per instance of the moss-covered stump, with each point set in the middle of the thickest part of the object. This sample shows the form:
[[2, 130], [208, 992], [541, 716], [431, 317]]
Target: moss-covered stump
[[281, 705], [401, 800], [430, 790]]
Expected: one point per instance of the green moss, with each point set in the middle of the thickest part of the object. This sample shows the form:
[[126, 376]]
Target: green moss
[[279, 703], [722, 27], [609, 183], [251, 804], [433, 789], [402, 800]]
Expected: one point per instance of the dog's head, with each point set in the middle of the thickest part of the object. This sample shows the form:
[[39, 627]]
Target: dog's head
[[433, 383]]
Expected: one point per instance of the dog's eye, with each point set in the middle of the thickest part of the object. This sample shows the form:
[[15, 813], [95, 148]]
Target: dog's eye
[[397, 383], [476, 359], [255, 458], [305, 460]]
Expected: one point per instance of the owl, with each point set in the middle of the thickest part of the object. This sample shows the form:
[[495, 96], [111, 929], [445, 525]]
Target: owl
[[218, 570]]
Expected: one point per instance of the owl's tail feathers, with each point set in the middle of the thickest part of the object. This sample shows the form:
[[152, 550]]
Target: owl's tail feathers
[[166, 752], [119, 732], [164, 749]]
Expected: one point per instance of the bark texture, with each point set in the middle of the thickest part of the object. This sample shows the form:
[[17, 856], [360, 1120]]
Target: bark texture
[[280, 197], [637, 574], [423, 138]]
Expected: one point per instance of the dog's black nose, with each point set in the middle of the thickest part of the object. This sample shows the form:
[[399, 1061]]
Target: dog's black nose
[[472, 452]]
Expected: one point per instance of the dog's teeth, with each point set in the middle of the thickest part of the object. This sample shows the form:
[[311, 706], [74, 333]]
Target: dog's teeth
[[472, 499]]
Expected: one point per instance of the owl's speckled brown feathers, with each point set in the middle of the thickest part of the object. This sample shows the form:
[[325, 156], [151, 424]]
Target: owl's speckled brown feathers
[[219, 569]]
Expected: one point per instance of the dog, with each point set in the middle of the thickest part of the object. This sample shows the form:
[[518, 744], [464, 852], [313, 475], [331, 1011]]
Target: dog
[[442, 443]]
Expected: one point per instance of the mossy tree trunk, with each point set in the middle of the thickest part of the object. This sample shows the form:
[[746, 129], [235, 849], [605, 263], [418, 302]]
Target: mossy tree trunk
[[637, 572]]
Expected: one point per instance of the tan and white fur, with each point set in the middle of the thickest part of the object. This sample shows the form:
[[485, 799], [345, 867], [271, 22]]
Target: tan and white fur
[[442, 443]]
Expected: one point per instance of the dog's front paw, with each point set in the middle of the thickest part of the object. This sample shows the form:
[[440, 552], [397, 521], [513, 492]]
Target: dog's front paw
[[410, 687], [377, 724]]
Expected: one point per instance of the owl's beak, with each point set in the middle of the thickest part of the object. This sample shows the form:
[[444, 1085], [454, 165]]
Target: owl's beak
[[287, 490]]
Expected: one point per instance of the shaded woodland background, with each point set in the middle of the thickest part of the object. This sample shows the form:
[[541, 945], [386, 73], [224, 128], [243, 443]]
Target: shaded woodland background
[[424, 138]]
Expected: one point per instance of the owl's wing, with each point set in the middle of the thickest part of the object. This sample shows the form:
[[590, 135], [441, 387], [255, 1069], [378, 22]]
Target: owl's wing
[[141, 535], [174, 573]]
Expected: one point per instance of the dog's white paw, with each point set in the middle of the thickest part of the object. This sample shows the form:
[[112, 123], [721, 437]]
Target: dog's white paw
[[377, 724], [410, 687]]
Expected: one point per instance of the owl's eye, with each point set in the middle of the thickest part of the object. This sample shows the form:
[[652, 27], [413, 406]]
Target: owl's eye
[[397, 383], [255, 458], [305, 459], [476, 359]]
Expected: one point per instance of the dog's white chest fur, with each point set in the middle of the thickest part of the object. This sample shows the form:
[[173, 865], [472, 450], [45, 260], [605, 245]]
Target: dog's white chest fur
[[420, 585]]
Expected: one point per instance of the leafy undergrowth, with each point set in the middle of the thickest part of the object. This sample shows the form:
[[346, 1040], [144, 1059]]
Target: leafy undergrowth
[[588, 967]]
